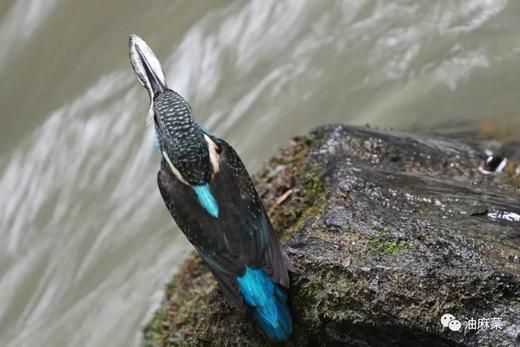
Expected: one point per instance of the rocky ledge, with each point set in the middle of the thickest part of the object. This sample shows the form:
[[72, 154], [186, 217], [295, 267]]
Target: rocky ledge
[[388, 232]]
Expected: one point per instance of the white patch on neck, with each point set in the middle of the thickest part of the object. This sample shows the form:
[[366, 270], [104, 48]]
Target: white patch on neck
[[174, 169], [214, 157]]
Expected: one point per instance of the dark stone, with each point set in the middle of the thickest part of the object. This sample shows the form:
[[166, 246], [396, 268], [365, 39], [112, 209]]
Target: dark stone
[[388, 231]]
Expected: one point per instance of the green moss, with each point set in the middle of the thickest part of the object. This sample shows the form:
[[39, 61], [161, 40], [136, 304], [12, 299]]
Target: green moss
[[312, 187], [307, 186], [313, 200], [153, 332], [386, 244], [306, 215], [329, 294]]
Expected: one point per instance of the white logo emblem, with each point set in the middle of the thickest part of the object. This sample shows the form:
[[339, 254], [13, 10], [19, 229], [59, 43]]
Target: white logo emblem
[[449, 321]]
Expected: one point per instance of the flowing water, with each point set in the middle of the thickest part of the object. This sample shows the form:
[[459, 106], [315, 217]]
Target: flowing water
[[86, 242]]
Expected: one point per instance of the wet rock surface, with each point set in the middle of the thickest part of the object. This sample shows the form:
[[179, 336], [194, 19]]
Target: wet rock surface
[[388, 232]]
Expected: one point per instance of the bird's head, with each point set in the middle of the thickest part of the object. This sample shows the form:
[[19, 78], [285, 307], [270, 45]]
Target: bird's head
[[189, 151]]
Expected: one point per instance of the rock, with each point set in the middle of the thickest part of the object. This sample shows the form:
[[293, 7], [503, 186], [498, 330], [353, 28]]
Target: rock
[[388, 232]]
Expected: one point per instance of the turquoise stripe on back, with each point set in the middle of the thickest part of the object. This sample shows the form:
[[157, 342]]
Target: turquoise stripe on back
[[206, 199]]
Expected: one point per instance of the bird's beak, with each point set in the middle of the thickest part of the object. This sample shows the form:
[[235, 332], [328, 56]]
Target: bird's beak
[[147, 69]]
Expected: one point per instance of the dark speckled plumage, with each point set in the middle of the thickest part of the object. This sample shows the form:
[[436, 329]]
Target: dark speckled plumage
[[182, 138]]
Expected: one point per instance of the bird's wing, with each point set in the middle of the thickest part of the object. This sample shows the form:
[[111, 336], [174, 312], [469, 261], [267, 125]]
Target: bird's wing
[[265, 250], [176, 196]]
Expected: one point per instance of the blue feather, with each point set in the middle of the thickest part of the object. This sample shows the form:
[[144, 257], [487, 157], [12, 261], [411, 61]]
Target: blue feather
[[269, 301], [206, 199]]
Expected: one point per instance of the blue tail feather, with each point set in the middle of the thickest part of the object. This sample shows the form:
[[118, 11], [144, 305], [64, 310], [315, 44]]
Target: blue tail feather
[[269, 301]]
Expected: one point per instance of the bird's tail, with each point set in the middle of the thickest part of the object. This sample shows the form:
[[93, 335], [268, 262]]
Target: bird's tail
[[269, 302]]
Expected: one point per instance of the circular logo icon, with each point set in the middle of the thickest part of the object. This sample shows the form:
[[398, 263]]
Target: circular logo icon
[[446, 319], [454, 325]]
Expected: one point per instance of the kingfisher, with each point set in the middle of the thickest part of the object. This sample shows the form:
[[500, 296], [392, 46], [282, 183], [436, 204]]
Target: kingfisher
[[211, 197]]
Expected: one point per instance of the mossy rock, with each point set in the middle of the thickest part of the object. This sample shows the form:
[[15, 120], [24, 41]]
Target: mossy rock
[[388, 231]]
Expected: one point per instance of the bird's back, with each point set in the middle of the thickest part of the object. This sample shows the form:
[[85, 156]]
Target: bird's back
[[242, 232]]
